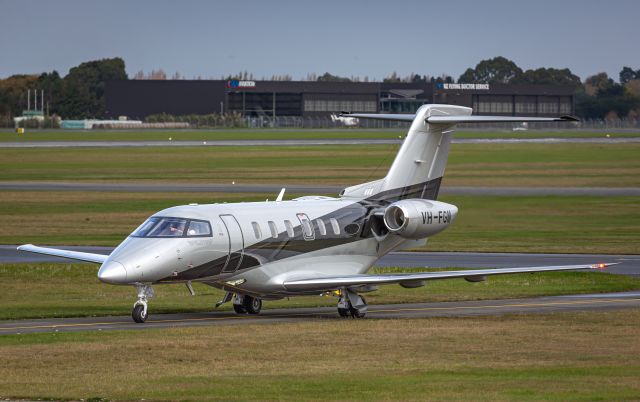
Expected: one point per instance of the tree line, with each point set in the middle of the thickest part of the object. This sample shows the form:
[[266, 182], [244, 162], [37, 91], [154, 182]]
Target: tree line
[[80, 94]]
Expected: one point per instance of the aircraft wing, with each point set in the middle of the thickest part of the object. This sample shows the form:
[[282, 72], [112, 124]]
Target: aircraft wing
[[415, 279], [74, 255]]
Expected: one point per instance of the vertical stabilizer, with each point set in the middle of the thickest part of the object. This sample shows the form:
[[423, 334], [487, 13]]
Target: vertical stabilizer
[[418, 168]]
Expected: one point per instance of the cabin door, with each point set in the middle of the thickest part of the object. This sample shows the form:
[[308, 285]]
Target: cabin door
[[236, 243]]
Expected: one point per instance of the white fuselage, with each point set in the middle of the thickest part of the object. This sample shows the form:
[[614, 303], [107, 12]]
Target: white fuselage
[[255, 247]]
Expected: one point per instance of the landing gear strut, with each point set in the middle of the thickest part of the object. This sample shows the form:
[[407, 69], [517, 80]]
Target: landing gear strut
[[351, 304], [139, 312], [243, 304]]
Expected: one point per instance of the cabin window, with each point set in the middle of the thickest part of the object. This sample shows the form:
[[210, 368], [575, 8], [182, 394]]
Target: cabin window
[[307, 226], [256, 230], [274, 229], [321, 227], [307, 231], [289, 226], [335, 226], [352, 229]]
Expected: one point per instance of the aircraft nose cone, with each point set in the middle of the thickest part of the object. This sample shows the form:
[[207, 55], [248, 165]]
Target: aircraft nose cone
[[112, 272]]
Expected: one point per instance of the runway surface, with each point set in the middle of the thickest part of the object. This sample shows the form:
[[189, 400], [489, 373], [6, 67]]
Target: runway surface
[[592, 302], [297, 143], [301, 189], [627, 264]]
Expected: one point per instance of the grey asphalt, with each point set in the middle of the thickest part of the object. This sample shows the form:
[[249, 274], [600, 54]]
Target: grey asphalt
[[169, 187], [595, 302], [301, 189], [302, 142], [627, 264]]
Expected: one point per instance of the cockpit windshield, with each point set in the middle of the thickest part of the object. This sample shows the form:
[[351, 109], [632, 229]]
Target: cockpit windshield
[[173, 227]]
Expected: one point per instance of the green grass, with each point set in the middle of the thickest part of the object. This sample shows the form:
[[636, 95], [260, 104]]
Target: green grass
[[542, 224], [195, 135], [558, 357], [560, 165], [280, 134], [72, 290]]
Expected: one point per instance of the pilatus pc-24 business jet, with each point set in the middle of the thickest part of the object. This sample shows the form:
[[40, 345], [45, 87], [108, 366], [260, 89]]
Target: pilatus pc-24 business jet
[[306, 246]]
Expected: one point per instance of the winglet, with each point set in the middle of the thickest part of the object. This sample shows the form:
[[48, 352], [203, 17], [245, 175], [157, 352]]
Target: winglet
[[603, 265], [281, 195]]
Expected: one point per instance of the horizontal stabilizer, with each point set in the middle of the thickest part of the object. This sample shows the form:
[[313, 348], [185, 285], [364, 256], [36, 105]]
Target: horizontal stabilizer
[[330, 283], [454, 119], [74, 255], [380, 116], [495, 119]]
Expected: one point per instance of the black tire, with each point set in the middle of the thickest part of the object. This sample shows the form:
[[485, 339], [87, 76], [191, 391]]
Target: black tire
[[138, 314], [239, 309], [355, 313], [344, 312], [252, 305]]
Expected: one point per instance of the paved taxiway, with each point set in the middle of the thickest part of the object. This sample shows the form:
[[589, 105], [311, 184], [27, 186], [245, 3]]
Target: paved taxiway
[[297, 143], [391, 311], [303, 189], [627, 264]]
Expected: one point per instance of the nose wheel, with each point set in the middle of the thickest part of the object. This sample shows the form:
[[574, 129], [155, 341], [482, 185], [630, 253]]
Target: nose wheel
[[139, 312]]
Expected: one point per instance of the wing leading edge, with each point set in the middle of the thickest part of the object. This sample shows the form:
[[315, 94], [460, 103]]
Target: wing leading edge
[[330, 283], [74, 255]]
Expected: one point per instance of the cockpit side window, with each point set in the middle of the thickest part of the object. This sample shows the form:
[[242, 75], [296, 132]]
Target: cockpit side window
[[199, 228], [173, 227]]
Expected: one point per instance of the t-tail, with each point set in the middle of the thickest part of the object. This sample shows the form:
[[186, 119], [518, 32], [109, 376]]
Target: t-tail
[[419, 166]]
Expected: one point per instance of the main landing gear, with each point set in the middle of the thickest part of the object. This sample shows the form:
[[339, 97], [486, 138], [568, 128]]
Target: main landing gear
[[243, 304], [139, 312], [351, 304]]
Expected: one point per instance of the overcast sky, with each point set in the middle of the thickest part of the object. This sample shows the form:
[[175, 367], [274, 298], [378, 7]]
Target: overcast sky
[[351, 38]]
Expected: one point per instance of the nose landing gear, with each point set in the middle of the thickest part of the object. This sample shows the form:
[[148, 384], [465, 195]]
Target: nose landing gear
[[352, 304], [139, 312]]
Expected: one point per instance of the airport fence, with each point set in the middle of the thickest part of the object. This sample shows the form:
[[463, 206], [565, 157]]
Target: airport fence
[[292, 122], [329, 123]]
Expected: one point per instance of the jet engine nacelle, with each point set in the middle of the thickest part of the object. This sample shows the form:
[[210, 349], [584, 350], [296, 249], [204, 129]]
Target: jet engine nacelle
[[417, 218]]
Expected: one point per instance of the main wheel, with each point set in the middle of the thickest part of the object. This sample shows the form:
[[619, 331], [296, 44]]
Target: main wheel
[[357, 313], [252, 305], [344, 312], [139, 314], [239, 309]]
